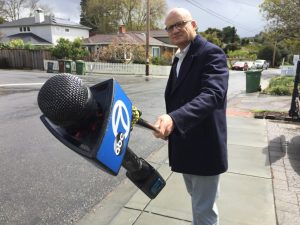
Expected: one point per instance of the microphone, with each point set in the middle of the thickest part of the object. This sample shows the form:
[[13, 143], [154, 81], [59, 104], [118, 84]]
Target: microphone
[[66, 101], [80, 117]]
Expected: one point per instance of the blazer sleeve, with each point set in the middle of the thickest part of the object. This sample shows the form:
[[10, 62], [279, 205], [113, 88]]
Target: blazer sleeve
[[212, 91]]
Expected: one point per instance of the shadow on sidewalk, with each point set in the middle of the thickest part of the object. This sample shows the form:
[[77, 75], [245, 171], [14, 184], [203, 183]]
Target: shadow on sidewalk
[[293, 153], [284, 147]]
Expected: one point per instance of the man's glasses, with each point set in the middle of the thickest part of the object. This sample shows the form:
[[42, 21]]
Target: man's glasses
[[178, 25]]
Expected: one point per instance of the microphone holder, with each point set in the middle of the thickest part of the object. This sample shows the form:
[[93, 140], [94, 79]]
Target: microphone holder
[[142, 174]]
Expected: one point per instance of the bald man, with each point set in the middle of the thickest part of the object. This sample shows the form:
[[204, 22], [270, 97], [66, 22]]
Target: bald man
[[195, 121]]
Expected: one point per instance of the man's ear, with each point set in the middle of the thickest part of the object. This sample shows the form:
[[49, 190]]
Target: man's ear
[[194, 24]]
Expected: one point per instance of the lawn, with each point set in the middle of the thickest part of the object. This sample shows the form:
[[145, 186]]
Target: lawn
[[283, 85]]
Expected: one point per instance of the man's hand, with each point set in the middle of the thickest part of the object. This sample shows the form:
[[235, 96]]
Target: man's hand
[[165, 126]]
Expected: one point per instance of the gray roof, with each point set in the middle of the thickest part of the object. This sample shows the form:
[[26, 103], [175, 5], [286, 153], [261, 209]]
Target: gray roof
[[27, 38], [159, 33], [128, 38], [49, 20]]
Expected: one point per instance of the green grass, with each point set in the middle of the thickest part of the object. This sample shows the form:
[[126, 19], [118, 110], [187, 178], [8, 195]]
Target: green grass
[[280, 86]]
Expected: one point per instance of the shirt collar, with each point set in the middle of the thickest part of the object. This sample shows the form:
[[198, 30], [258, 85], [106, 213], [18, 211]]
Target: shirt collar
[[181, 54]]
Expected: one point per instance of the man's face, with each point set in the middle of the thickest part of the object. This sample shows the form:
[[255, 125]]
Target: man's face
[[181, 30]]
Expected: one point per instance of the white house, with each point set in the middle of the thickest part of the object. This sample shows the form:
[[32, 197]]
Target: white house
[[42, 30]]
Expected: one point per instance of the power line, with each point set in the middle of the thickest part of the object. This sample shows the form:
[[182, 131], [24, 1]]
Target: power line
[[219, 16], [244, 3]]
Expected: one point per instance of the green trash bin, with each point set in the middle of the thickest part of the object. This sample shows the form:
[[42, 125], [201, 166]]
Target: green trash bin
[[253, 80], [80, 67], [68, 66], [50, 67]]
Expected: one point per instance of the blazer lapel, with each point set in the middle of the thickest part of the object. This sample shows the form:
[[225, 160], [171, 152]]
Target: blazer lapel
[[172, 80], [184, 69]]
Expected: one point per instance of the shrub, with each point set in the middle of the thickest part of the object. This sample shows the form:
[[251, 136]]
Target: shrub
[[66, 49], [159, 61], [280, 86]]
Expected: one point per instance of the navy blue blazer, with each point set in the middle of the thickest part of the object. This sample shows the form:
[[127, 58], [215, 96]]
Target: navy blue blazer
[[197, 105]]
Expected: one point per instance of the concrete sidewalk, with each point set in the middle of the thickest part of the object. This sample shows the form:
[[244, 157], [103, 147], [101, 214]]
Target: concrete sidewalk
[[256, 190], [246, 189]]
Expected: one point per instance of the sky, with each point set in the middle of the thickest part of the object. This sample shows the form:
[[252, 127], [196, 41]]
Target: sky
[[244, 15]]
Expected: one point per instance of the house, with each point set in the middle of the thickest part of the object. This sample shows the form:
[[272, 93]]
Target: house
[[157, 48], [42, 30], [161, 35]]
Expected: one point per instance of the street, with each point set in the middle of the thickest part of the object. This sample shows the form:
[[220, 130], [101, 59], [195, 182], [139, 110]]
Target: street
[[42, 181]]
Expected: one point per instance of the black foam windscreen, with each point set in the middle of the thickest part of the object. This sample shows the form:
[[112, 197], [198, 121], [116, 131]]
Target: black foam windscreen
[[65, 100]]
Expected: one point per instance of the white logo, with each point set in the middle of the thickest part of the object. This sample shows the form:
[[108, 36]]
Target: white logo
[[118, 144], [119, 120]]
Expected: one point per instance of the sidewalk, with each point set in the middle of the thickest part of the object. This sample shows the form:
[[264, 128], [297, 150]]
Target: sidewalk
[[249, 190]]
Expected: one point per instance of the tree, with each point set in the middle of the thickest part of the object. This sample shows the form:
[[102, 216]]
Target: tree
[[216, 32], [83, 19], [134, 13], [77, 50], [106, 16], [293, 48], [230, 39], [212, 36], [66, 49], [14, 9], [283, 16], [11, 9], [283, 23], [129, 9], [120, 52], [229, 35], [240, 55], [101, 15], [2, 20], [245, 41], [266, 52], [32, 5]]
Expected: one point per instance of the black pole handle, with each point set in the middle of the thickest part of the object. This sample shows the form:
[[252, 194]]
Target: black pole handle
[[146, 124], [136, 119]]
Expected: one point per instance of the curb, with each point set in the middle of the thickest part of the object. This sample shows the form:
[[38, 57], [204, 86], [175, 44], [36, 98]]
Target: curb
[[104, 212]]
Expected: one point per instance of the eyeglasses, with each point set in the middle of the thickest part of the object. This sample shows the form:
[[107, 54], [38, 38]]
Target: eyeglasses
[[178, 25]]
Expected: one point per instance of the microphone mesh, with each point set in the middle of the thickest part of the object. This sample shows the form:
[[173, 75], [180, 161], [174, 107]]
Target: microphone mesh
[[64, 99]]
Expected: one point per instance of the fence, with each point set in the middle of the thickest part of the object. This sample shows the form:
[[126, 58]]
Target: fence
[[23, 58], [115, 68], [288, 70]]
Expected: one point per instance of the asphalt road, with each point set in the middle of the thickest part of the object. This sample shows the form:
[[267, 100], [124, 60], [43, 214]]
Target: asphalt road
[[42, 181]]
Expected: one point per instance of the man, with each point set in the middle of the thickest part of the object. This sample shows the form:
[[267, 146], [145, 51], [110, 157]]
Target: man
[[195, 123]]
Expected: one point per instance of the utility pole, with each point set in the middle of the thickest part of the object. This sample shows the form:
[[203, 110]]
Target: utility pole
[[274, 53], [147, 36]]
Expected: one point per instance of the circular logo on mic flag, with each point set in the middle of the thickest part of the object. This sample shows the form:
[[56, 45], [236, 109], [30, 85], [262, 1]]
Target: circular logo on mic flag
[[120, 124]]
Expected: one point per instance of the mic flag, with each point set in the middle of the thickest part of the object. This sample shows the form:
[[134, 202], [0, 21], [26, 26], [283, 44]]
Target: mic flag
[[96, 123]]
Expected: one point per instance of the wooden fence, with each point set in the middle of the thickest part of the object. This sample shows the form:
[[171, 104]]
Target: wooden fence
[[23, 58]]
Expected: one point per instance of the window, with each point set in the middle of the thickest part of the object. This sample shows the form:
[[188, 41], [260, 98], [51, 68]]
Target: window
[[155, 52], [24, 29]]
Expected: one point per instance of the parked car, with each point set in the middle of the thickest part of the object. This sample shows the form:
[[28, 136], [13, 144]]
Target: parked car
[[240, 65], [261, 64], [250, 65]]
